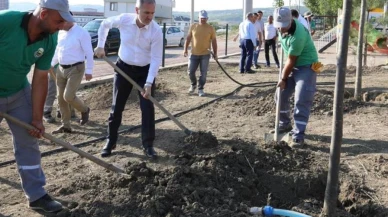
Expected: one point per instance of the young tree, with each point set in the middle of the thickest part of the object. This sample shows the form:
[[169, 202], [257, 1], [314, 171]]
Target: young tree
[[278, 3], [331, 193], [358, 86]]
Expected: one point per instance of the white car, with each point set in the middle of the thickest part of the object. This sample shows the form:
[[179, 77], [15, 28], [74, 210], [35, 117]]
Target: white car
[[174, 36]]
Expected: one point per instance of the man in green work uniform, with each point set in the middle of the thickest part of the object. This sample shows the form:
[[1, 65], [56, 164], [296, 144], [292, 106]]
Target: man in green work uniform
[[297, 75], [27, 39]]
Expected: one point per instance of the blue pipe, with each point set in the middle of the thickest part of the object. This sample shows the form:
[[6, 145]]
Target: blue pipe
[[270, 211]]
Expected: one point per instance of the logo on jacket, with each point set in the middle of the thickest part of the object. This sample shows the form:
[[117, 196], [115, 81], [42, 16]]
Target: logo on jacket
[[39, 52]]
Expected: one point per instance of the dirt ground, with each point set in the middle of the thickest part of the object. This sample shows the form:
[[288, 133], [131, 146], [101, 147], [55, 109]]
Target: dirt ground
[[226, 167]]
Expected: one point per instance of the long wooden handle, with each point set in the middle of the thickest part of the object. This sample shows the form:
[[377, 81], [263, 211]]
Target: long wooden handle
[[152, 99], [64, 144], [278, 100]]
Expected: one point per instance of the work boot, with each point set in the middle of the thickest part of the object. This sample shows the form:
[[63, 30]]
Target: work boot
[[48, 118], [84, 117], [62, 129], [297, 143], [107, 150], [192, 88], [283, 129], [46, 203]]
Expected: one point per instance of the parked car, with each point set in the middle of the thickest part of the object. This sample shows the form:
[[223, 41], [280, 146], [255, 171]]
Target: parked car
[[112, 43], [174, 36]]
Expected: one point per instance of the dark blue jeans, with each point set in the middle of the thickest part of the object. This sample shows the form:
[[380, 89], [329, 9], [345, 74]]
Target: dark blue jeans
[[246, 52], [121, 90], [256, 53]]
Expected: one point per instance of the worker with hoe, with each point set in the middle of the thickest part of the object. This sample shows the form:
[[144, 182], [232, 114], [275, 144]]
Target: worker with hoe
[[27, 39], [140, 56], [298, 74]]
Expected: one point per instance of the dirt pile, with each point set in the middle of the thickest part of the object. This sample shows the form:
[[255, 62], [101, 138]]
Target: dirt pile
[[323, 103], [201, 139], [224, 183], [100, 96], [331, 69]]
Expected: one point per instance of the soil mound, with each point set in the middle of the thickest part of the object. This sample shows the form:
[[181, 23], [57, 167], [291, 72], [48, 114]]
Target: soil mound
[[100, 97], [323, 103], [201, 139], [224, 183]]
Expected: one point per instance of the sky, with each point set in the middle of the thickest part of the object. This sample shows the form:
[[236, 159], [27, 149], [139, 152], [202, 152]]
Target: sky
[[185, 5]]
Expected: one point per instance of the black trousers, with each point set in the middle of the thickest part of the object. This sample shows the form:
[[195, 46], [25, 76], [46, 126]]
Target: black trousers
[[271, 43], [121, 90]]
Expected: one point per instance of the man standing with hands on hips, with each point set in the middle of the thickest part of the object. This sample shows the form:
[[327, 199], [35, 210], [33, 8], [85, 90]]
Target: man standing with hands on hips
[[297, 76], [200, 35], [140, 55], [28, 39]]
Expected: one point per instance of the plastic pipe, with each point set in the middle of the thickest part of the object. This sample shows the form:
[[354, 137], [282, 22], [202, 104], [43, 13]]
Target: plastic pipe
[[270, 211]]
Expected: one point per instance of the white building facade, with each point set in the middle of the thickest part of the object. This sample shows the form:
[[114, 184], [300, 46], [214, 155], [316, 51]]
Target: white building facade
[[163, 10], [4, 4]]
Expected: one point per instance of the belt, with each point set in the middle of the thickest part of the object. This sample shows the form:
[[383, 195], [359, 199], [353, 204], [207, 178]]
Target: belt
[[132, 66], [71, 65]]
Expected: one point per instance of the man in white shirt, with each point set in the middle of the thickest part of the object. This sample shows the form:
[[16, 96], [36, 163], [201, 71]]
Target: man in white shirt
[[259, 24], [270, 40], [248, 43], [295, 14], [140, 55], [74, 44]]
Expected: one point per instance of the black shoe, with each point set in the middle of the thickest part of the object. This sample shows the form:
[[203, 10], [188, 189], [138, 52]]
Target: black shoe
[[257, 66], [84, 117], [46, 204], [73, 114], [150, 152], [59, 115], [250, 71], [62, 129], [48, 118], [107, 150]]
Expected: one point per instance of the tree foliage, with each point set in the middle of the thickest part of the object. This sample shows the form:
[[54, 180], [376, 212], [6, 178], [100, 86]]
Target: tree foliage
[[278, 3], [330, 7]]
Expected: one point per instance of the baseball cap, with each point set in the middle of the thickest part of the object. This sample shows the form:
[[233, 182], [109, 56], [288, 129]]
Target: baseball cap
[[203, 14], [62, 6], [282, 17], [308, 14]]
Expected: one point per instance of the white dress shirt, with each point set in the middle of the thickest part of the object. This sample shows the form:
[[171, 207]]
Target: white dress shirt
[[73, 46], [303, 21], [270, 31], [138, 46], [258, 28], [248, 31]]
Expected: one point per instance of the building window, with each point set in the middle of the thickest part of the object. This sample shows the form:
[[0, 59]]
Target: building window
[[113, 6]]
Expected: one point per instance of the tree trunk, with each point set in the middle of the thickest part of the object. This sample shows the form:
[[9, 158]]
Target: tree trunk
[[358, 84], [331, 193]]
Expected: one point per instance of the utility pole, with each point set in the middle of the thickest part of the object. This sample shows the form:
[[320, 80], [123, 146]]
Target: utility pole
[[247, 7], [331, 193], [192, 12], [358, 84]]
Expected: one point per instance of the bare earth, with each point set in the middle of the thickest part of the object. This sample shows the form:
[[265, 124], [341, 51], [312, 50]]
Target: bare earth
[[226, 167]]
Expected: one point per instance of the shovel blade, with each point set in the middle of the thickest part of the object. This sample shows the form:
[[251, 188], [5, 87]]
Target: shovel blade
[[270, 137]]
